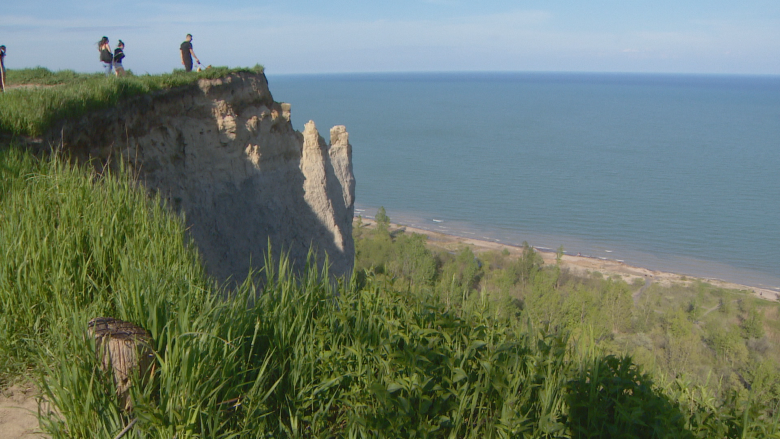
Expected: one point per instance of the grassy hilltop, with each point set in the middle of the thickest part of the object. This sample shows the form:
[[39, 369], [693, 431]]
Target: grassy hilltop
[[416, 344], [51, 96]]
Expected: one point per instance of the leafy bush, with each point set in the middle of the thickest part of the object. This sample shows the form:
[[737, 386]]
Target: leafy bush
[[702, 361], [611, 398]]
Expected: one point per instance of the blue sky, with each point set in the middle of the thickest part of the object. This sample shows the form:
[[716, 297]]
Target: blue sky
[[712, 36]]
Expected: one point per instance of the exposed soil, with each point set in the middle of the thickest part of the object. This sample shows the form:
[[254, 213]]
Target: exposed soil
[[19, 413]]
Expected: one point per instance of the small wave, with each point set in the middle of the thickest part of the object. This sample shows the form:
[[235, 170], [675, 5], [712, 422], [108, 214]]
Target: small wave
[[437, 220], [608, 251]]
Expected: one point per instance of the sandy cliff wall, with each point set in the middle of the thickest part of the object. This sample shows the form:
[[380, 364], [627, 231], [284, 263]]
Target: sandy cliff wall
[[226, 155]]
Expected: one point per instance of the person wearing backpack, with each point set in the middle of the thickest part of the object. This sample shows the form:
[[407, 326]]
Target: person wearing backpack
[[119, 54]]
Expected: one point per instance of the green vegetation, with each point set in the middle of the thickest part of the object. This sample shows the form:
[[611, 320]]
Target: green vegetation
[[423, 345], [67, 94], [717, 346]]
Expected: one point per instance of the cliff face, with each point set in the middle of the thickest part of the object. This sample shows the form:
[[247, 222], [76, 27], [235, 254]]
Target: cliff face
[[226, 155]]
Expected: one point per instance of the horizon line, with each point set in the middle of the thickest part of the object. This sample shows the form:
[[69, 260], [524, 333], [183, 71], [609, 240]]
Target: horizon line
[[404, 72], [593, 72]]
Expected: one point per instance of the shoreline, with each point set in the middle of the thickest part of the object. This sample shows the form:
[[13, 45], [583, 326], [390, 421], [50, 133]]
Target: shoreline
[[579, 264]]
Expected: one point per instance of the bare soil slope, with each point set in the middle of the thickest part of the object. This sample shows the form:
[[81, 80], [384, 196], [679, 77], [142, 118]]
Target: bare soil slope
[[18, 413]]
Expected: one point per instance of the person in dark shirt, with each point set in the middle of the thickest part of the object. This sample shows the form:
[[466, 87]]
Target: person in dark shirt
[[2, 68], [119, 54], [187, 54], [106, 58]]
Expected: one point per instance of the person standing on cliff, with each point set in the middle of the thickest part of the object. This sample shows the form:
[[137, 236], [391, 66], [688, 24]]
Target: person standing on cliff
[[2, 68], [187, 54], [119, 54], [106, 57]]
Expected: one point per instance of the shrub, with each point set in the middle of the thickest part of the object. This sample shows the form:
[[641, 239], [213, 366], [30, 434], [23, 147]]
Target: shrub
[[611, 398]]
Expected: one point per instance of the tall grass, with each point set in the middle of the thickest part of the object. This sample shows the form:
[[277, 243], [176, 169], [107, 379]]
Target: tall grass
[[43, 76], [73, 240], [66, 94], [292, 359], [295, 357]]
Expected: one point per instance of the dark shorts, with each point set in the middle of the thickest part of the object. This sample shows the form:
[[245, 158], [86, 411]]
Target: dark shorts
[[188, 65]]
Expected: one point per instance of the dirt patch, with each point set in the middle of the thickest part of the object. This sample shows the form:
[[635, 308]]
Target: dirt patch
[[19, 413]]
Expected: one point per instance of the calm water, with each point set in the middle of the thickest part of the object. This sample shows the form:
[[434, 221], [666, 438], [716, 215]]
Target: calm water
[[677, 173]]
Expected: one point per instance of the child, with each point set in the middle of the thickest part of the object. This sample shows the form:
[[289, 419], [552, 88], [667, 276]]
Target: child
[[119, 53]]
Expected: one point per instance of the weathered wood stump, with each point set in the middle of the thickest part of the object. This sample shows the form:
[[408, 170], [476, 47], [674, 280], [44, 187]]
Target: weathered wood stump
[[125, 348]]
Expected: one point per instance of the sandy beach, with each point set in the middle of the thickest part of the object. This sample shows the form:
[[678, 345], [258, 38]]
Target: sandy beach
[[578, 264]]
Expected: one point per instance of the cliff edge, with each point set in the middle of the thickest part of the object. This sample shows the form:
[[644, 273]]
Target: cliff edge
[[225, 154]]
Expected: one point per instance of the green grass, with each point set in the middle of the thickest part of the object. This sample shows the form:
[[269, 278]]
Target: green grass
[[67, 94], [291, 359], [44, 76], [297, 356], [674, 332]]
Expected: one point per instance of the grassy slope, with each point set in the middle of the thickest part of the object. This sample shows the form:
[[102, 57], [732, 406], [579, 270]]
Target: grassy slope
[[294, 362], [67, 94], [290, 360]]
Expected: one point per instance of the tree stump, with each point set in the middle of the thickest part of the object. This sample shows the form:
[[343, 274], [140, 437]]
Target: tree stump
[[126, 349]]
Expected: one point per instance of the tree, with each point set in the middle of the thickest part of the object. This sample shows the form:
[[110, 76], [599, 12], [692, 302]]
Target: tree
[[357, 231], [543, 303], [373, 249], [529, 263], [725, 307], [753, 325], [616, 303], [693, 309], [382, 220], [412, 260], [728, 345], [461, 274]]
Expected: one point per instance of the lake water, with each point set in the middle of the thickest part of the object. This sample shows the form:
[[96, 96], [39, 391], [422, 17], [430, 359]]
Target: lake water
[[678, 173]]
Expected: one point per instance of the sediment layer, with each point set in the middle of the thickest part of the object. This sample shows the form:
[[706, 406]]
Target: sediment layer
[[225, 154]]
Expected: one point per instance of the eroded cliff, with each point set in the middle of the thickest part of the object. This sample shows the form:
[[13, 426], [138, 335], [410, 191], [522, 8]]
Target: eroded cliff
[[225, 154]]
